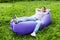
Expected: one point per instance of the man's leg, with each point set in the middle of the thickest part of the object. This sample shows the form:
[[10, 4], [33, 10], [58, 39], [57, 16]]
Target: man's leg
[[23, 19], [36, 28], [31, 19]]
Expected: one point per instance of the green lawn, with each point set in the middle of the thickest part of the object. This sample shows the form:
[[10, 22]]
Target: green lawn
[[7, 10]]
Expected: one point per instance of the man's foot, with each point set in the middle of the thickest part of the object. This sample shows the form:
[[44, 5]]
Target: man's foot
[[33, 34], [15, 19]]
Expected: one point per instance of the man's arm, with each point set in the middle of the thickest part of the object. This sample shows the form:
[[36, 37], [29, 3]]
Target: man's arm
[[37, 10], [47, 11]]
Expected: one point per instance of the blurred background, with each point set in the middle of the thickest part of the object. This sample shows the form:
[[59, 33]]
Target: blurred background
[[25, 0]]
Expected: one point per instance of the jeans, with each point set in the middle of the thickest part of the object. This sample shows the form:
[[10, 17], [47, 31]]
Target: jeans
[[23, 19]]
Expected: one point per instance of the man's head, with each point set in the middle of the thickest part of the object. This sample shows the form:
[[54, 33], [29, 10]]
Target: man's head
[[43, 9]]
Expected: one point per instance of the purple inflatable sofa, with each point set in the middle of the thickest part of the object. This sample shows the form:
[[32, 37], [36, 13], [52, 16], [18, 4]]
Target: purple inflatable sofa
[[28, 26]]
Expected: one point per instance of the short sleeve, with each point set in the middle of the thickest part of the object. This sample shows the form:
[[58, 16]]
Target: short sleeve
[[37, 9], [47, 11]]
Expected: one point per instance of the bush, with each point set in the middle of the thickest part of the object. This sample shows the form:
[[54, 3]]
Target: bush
[[25, 0], [5, 1]]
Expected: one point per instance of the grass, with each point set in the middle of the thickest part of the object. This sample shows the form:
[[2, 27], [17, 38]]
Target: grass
[[7, 10]]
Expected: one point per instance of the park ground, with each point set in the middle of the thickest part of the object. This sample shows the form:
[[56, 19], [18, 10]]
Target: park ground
[[7, 10]]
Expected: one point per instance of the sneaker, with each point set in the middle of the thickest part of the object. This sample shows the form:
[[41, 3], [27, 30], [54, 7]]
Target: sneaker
[[33, 34], [15, 19]]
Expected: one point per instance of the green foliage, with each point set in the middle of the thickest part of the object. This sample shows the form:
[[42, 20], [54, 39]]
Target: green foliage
[[25, 0], [6, 1], [7, 10]]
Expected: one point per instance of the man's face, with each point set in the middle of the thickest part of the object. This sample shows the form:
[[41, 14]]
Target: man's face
[[42, 9]]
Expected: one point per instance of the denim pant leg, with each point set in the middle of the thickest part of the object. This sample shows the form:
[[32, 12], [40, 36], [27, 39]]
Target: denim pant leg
[[37, 26], [31, 19], [26, 19]]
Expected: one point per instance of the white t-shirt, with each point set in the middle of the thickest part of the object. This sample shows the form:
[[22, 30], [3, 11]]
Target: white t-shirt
[[39, 14]]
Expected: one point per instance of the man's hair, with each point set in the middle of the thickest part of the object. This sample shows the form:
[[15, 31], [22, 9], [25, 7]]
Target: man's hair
[[44, 7]]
